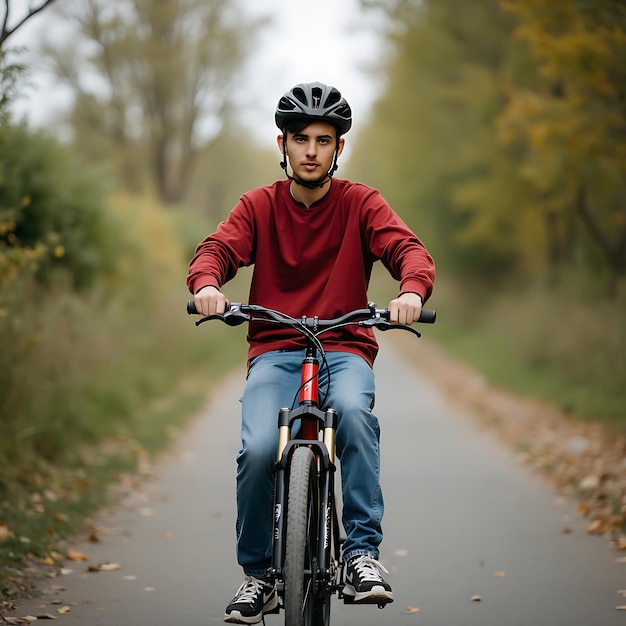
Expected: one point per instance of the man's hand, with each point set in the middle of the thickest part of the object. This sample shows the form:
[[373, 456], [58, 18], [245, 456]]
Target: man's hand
[[405, 309], [210, 301]]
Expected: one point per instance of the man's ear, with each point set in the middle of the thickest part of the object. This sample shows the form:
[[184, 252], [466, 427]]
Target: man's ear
[[281, 144], [342, 143]]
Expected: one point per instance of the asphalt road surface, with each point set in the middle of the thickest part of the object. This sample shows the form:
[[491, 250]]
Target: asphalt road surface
[[471, 537]]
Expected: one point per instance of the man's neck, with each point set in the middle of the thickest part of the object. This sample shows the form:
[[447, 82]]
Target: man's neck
[[309, 196]]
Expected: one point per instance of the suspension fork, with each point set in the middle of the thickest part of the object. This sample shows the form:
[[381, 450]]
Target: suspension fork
[[327, 495], [325, 453]]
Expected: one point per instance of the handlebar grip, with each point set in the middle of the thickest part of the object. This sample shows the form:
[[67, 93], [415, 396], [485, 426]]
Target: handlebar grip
[[192, 310], [428, 316]]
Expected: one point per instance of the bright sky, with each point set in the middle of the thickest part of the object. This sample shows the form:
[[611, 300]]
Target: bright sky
[[332, 41]]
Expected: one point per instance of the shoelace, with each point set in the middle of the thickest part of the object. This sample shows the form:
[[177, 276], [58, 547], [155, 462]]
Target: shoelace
[[369, 569], [249, 589]]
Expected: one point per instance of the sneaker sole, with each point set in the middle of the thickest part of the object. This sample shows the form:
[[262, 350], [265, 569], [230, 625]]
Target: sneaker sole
[[237, 618], [375, 595]]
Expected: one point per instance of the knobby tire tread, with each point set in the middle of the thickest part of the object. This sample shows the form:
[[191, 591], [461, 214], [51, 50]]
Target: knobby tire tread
[[302, 521]]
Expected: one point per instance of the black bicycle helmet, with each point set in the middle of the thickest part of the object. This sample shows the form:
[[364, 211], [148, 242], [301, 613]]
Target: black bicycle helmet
[[314, 101]]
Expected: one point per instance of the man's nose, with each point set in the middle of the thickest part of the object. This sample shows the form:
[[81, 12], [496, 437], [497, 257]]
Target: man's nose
[[311, 148]]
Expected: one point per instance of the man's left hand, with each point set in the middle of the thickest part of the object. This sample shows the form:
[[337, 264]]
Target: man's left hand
[[406, 308]]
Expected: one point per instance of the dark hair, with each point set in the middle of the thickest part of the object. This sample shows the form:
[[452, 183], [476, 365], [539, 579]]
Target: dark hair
[[297, 126]]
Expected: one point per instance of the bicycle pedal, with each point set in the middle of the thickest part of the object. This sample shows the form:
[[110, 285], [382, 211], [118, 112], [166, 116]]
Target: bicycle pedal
[[380, 603]]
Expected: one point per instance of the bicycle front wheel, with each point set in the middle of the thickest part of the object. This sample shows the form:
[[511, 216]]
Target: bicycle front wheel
[[301, 540]]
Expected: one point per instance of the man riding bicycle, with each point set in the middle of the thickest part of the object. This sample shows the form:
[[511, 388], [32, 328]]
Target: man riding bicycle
[[313, 240]]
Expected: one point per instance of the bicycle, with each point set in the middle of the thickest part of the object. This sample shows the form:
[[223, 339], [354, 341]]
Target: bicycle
[[306, 554]]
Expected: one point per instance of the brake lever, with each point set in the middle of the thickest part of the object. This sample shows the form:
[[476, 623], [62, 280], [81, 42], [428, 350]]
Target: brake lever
[[232, 317], [209, 317], [383, 325]]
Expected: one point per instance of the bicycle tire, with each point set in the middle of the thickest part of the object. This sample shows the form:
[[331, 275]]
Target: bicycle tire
[[301, 601]]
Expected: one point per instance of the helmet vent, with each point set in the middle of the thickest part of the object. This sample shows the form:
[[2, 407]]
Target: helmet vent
[[286, 104], [333, 97], [316, 94], [299, 93], [344, 111]]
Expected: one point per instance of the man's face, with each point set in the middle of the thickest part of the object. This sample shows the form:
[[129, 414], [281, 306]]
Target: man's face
[[311, 150]]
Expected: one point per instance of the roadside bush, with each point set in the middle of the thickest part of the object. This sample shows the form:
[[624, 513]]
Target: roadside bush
[[93, 382], [52, 211]]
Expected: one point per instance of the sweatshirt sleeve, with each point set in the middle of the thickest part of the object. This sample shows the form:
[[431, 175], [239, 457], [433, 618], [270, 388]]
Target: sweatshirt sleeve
[[398, 248], [218, 257]]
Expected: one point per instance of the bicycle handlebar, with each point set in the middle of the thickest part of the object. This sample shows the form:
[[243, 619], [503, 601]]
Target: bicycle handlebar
[[237, 313]]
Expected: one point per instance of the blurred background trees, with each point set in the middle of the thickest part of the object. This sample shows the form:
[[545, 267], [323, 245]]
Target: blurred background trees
[[499, 135], [504, 130], [151, 82]]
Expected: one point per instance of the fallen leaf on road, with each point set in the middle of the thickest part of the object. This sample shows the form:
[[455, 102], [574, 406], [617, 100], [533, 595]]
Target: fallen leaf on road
[[76, 555], [621, 608], [588, 483], [104, 567], [401, 552], [499, 574], [412, 609], [596, 527], [63, 610], [476, 599]]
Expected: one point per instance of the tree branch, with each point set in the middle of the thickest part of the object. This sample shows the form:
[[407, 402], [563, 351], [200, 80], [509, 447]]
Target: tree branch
[[613, 250], [6, 31]]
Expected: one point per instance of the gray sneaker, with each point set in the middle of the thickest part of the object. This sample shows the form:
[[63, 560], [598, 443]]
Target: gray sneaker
[[255, 597], [364, 581]]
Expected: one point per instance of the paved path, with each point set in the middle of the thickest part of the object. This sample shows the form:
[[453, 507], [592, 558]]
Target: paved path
[[462, 520]]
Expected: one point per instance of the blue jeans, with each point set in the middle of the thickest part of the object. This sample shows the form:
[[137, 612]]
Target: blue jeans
[[273, 381]]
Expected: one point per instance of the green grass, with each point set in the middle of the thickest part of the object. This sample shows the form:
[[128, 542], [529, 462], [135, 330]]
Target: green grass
[[543, 344], [48, 505]]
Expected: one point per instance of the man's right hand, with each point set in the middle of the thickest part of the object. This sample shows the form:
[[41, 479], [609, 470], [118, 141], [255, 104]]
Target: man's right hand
[[210, 301]]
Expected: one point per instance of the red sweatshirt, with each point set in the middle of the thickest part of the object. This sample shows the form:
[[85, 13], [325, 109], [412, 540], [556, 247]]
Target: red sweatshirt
[[312, 261]]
